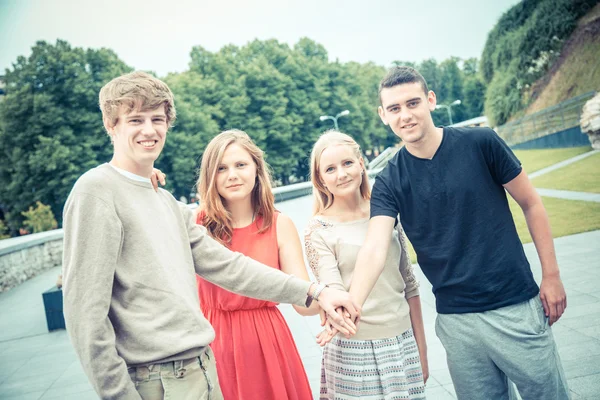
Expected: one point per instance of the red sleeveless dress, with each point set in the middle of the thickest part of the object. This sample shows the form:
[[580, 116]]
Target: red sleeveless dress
[[256, 355]]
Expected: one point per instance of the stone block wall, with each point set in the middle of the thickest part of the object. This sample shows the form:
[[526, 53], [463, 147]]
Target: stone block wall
[[28, 256]]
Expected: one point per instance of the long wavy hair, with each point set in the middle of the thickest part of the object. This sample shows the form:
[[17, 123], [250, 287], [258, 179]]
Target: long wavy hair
[[216, 218], [323, 198]]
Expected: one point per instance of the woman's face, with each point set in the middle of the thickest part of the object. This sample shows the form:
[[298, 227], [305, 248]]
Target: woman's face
[[340, 170], [236, 174]]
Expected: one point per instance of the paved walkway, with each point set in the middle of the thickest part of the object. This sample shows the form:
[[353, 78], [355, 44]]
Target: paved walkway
[[561, 164], [569, 195]]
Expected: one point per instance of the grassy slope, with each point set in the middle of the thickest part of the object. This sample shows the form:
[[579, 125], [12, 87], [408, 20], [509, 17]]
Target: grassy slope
[[582, 176], [567, 217], [534, 160], [577, 70]]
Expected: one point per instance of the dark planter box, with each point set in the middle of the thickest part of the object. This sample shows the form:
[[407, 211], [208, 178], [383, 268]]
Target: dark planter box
[[53, 304]]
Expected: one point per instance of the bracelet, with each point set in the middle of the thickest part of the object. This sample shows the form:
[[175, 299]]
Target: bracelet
[[318, 290]]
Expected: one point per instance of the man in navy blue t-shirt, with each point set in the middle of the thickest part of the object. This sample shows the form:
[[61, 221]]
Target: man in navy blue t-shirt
[[448, 186]]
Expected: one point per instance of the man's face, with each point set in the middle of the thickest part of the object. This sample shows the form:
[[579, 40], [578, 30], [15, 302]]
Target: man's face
[[406, 108], [139, 137]]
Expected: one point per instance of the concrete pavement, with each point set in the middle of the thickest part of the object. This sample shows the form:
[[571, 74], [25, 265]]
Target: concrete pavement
[[35, 364]]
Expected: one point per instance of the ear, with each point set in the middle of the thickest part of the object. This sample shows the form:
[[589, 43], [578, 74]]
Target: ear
[[108, 126], [382, 115], [431, 100]]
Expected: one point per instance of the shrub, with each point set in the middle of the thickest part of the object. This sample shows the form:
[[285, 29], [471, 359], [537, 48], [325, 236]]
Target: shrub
[[39, 219], [3, 230]]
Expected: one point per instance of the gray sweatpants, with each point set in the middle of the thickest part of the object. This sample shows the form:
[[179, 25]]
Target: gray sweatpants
[[486, 349]]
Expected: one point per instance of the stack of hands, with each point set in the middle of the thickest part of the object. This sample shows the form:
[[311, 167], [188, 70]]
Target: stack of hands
[[339, 314], [348, 328]]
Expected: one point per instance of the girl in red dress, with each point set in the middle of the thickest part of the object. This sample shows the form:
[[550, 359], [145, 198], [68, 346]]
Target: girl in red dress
[[254, 349]]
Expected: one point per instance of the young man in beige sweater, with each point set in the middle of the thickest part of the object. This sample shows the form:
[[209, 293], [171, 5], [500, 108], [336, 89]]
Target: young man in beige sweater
[[130, 256]]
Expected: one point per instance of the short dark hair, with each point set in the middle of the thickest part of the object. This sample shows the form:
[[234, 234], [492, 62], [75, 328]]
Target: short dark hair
[[400, 75]]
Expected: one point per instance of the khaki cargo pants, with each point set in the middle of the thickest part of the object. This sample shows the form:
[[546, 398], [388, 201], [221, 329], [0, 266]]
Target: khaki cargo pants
[[191, 379]]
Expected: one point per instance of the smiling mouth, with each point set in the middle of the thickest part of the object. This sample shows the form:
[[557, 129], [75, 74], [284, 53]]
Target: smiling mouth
[[148, 143], [234, 186], [409, 126], [344, 184]]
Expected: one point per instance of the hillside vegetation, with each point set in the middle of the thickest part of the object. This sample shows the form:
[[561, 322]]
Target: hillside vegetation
[[525, 43], [576, 71]]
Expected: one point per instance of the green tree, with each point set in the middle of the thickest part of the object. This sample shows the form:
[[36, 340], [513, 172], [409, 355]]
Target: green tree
[[51, 126]]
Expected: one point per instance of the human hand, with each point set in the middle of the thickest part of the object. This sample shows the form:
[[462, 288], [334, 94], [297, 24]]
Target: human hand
[[554, 298], [157, 177], [330, 300], [325, 336]]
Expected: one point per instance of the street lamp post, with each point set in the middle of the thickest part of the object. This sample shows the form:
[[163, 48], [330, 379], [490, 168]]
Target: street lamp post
[[334, 119], [448, 107]]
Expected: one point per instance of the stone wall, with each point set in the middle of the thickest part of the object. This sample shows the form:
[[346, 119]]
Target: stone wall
[[24, 257]]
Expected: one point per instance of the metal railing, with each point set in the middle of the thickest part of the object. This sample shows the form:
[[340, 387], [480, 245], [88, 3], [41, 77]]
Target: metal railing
[[550, 120]]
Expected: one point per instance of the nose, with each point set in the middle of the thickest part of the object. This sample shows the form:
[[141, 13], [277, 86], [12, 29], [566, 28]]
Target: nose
[[148, 127], [231, 174], [342, 173], [405, 115]]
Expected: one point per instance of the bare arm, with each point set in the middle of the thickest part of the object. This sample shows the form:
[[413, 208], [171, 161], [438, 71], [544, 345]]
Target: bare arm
[[416, 320], [290, 257], [371, 258], [552, 291], [243, 275]]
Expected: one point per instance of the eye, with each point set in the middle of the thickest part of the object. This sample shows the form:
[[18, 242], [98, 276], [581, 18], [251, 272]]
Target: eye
[[241, 164], [330, 169], [221, 168], [348, 163], [394, 109], [159, 120], [413, 104], [135, 121]]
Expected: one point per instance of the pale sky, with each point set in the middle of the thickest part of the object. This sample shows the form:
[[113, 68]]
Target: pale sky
[[158, 35]]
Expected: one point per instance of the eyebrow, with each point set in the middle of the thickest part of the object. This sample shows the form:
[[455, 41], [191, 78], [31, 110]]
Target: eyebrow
[[133, 116]]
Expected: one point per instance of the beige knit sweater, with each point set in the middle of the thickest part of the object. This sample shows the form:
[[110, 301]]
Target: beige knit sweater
[[130, 295], [332, 248]]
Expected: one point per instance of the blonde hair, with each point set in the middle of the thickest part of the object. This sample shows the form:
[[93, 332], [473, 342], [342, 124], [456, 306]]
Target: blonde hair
[[217, 219], [323, 198], [135, 91]]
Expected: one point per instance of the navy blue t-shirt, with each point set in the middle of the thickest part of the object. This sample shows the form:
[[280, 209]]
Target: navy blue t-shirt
[[454, 211]]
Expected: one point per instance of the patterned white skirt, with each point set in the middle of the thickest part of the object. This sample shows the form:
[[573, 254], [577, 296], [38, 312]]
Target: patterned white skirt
[[384, 369]]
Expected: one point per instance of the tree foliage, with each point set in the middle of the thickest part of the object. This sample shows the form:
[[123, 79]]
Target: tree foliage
[[51, 127]]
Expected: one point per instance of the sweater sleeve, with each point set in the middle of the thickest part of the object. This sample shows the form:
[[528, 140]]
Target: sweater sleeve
[[240, 274], [92, 243], [322, 259], [406, 268]]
